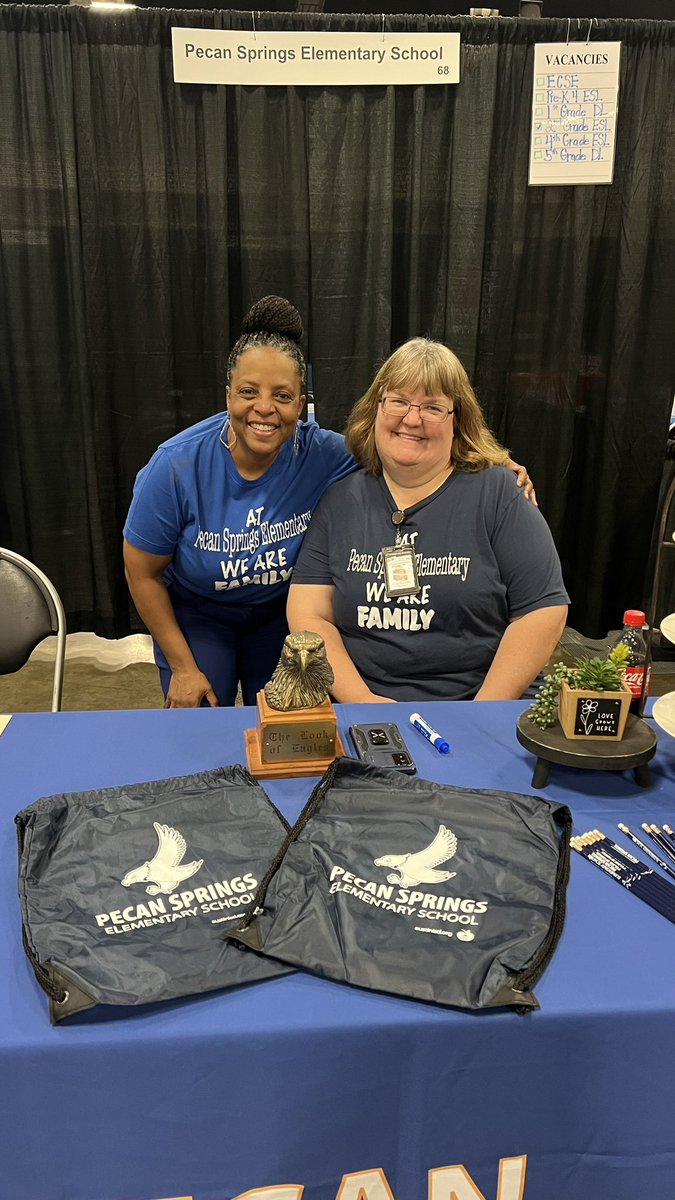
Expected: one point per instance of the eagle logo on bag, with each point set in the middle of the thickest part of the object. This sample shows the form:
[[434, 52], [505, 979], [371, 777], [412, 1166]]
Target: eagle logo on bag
[[420, 867], [164, 869]]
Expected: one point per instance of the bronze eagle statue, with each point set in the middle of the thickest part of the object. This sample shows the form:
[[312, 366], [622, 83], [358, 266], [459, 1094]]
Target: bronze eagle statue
[[303, 676]]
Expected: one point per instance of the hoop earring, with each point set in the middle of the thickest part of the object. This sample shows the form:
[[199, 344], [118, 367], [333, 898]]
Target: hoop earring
[[296, 441], [227, 430]]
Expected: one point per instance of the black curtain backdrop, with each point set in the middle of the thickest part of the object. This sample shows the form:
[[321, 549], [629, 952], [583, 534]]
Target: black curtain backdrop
[[139, 219]]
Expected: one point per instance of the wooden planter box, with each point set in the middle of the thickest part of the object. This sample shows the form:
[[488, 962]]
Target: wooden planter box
[[593, 716]]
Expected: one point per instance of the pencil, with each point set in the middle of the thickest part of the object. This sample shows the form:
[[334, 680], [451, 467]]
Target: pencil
[[642, 887], [645, 847], [631, 870], [633, 874], [657, 837], [668, 833]]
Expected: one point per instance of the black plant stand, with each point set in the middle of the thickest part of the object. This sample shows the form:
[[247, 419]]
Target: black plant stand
[[633, 752]]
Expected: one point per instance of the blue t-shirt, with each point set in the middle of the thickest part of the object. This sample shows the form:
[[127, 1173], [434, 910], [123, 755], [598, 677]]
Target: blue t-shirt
[[484, 556], [231, 537]]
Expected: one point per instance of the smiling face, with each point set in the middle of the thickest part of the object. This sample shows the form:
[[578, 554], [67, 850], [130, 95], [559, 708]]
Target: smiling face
[[264, 400], [414, 451]]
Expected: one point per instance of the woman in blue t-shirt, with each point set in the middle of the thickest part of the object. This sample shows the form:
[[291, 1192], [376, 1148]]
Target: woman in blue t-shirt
[[218, 516]]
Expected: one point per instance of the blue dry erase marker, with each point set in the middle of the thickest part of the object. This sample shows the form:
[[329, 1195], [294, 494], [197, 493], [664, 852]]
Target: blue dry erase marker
[[430, 734]]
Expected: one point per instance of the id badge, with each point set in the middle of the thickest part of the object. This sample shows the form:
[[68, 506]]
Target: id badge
[[400, 571]]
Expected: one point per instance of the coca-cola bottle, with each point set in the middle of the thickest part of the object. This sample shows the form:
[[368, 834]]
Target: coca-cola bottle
[[633, 637]]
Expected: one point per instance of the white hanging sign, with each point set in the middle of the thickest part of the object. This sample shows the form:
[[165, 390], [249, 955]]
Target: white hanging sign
[[574, 107], [319, 59]]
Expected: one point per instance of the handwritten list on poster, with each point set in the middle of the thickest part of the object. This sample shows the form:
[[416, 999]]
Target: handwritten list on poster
[[574, 110]]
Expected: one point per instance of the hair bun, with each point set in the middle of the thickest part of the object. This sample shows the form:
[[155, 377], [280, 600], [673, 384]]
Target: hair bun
[[273, 314]]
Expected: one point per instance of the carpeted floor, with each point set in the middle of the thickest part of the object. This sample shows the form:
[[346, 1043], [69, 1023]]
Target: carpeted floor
[[120, 683], [84, 687], [98, 674]]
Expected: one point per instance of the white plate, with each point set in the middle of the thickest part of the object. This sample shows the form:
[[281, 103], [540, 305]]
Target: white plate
[[663, 712], [668, 627]]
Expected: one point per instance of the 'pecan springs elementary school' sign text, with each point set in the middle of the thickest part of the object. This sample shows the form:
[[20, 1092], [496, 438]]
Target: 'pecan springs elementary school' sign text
[[319, 59]]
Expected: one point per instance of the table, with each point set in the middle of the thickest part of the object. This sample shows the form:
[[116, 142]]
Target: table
[[298, 1081]]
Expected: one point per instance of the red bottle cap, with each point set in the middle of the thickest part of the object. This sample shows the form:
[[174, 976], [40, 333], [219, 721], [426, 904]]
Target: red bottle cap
[[633, 616]]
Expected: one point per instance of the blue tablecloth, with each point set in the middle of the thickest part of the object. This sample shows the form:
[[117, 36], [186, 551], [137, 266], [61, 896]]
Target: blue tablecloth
[[301, 1081]]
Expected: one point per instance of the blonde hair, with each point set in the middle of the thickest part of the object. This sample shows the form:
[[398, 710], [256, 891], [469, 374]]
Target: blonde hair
[[430, 365]]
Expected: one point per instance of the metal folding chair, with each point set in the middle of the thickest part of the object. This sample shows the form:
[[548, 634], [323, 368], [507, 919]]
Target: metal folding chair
[[30, 610]]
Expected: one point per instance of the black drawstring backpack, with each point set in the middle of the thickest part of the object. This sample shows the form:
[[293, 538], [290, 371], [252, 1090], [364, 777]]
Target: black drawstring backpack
[[125, 891], [445, 894]]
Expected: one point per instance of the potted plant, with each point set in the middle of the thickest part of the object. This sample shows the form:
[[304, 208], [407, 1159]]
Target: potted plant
[[590, 699]]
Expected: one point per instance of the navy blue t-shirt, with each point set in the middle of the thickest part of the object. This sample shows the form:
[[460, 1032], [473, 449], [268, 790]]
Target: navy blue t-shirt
[[484, 556]]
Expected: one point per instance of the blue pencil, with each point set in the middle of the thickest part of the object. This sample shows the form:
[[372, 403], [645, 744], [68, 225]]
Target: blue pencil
[[633, 874], [643, 846], [657, 837]]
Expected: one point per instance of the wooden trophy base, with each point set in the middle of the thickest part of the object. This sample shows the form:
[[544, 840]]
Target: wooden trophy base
[[302, 741]]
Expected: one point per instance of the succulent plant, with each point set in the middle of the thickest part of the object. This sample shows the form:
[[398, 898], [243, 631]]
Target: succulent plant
[[590, 674], [544, 711], [602, 674]]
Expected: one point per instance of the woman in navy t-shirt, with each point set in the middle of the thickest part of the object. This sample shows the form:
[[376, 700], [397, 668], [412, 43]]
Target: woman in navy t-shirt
[[427, 574]]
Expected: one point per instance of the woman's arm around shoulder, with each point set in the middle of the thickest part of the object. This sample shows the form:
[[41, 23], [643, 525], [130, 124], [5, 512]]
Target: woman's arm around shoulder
[[523, 480]]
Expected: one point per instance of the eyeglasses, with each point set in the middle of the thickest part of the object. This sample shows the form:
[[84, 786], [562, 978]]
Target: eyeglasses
[[396, 406]]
